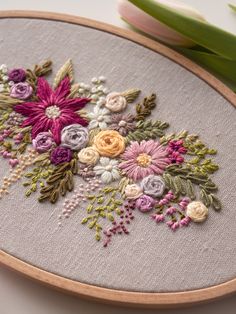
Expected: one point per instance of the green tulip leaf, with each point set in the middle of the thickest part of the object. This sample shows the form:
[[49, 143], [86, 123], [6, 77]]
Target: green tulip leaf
[[202, 33], [221, 67]]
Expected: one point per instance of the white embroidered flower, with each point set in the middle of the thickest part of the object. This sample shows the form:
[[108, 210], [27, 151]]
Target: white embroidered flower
[[99, 118], [133, 191], [197, 211], [107, 169], [115, 102], [88, 156]]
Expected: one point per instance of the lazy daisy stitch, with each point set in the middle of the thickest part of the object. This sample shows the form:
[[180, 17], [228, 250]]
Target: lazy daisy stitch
[[124, 159]]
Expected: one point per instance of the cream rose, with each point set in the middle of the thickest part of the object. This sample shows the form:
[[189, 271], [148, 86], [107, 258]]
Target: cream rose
[[197, 211], [133, 191], [109, 143], [88, 155], [115, 102]]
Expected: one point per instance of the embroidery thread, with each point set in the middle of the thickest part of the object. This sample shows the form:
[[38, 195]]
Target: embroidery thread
[[125, 160]]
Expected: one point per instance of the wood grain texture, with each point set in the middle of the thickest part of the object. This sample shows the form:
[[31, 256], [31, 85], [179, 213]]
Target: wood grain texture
[[161, 300]]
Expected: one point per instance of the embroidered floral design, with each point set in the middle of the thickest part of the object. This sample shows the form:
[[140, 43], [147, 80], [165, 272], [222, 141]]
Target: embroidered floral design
[[53, 111], [88, 155], [100, 117], [144, 158], [49, 136], [43, 142], [109, 143], [133, 191], [123, 123], [60, 155], [21, 90], [197, 211], [153, 185], [145, 203], [115, 102], [17, 75], [74, 136], [107, 169]]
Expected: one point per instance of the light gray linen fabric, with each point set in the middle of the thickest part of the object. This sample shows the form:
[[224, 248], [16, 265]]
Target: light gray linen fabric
[[151, 258]]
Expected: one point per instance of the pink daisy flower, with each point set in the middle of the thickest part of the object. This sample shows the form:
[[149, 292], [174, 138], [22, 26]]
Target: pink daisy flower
[[142, 159], [53, 110]]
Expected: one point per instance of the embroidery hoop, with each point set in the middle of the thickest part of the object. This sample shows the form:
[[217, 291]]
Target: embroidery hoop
[[103, 294]]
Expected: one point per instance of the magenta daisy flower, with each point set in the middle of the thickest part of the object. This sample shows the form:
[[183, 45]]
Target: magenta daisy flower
[[53, 110], [142, 159]]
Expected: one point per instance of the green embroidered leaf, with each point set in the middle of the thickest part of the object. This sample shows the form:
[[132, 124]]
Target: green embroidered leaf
[[181, 135], [92, 224], [206, 198], [145, 108], [89, 208], [146, 130], [216, 202], [59, 183], [28, 193], [23, 130], [98, 237], [41, 157], [73, 90], [190, 190], [84, 221], [110, 217], [39, 70], [6, 101], [122, 185], [92, 134], [65, 70], [131, 94]]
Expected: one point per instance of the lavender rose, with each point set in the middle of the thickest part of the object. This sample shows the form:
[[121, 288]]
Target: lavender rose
[[153, 185], [43, 142], [17, 75], [61, 154], [21, 90], [145, 203], [74, 136]]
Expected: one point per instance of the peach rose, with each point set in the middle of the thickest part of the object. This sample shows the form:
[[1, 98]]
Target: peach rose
[[109, 143]]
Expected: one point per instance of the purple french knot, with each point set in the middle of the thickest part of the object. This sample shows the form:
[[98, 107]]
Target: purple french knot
[[61, 154], [17, 75]]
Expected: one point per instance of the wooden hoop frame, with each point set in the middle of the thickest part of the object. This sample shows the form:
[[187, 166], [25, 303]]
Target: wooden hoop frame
[[128, 298]]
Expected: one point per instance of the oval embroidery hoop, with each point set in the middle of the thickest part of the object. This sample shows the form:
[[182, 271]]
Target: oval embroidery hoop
[[111, 295]]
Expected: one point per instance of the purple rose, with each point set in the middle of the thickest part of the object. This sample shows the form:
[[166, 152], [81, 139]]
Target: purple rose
[[61, 154], [43, 142], [17, 75], [21, 90], [145, 203]]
